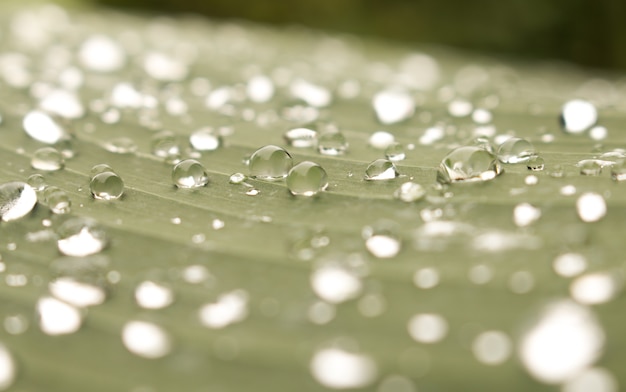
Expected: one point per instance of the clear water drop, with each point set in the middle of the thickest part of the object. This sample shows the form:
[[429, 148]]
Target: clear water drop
[[17, 199], [535, 163], [205, 139], [516, 150], [307, 179], [43, 127], [427, 328], [237, 178], [395, 152], [229, 308], [618, 171], [151, 295], [47, 159], [468, 164], [270, 163], [591, 207], [146, 339], [492, 347], [332, 143], [37, 182], [106, 185], [121, 145], [57, 317], [189, 174], [57, 200], [381, 169], [301, 137], [165, 145], [410, 192], [577, 116], [339, 369], [81, 237], [393, 106]]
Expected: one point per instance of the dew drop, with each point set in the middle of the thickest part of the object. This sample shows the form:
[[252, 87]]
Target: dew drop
[[410, 192], [525, 214], [205, 139], [47, 159], [165, 68], [301, 137], [121, 145], [535, 163], [460, 108], [237, 178], [146, 340], [43, 128], [165, 146], [65, 104], [393, 106], [106, 185], [270, 163], [492, 347], [516, 150], [125, 96], [37, 182], [101, 54], [590, 167], [81, 237], [307, 179], [335, 284], [482, 116], [618, 171], [229, 308], [427, 328], [395, 152], [381, 169], [381, 140], [338, 369], [332, 143], [468, 164], [151, 295], [79, 294], [569, 264], [321, 313], [313, 94], [260, 89], [17, 199], [591, 207], [57, 200], [189, 174], [577, 116], [595, 288], [598, 133], [57, 317], [8, 368], [432, 135], [426, 278], [381, 241]]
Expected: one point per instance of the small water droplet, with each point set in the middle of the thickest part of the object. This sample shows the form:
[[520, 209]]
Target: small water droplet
[[313, 94], [270, 163], [598, 133], [121, 145], [535, 163], [260, 88], [151, 295], [17, 199], [57, 317], [189, 174], [301, 137], [618, 171], [432, 135], [146, 339], [8, 368], [205, 139], [101, 54], [381, 240], [252, 192], [393, 106], [460, 108], [381, 169], [595, 288], [332, 143], [570, 264], [525, 214], [43, 127], [14, 325], [492, 347], [531, 180], [47, 159], [482, 116], [590, 167], [577, 116], [81, 237], [76, 293], [591, 207], [395, 152], [229, 308], [339, 369], [381, 140], [307, 179], [237, 178], [165, 146], [468, 164], [165, 68], [106, 184], [321, 313], [65, 104], [516, 150], [410, 192], [37, 182], [57, 200], [428, 328]]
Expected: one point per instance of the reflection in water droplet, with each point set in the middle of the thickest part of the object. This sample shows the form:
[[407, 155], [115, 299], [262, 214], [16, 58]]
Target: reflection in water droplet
[[492, 347], [43, 128], [8, 368], [594, 379], [427, 328], [393, 106], [338, 369], [151, 295], [332, 143], [189, 174], [47, 159], [229, 308], [77, 293], [525, 214], [270, 163], [516, 150], [335, 284], [381, 169], [307, 179], [37, 182], [106, 185], [57, 317], [81, 237], [146, 340], [577, 116], [205, 139], [17, 199], [410, 192], [593, 289], [300, 137], [468, 164], [564, 340], [591, 207]]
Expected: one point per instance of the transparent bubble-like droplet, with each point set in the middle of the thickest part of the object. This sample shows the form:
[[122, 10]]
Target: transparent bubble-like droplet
[[100, 53], [339, 369], [270, 163], [121, 145], [146, 339], [37, 182], [229, 308], [381, 169], [618, 171], [260, 89], [166, 146], [591, 207], [81, 237], [106, 186], [492, 347], [428, 328], [335, 284], [151, 295], [535, 163], [63, 103], [237, 178], [57, 317], [79, 294], [47, 159], [43, 128], [393, 106], [577, 116], [594, 379], [301, 137], [205, 139], [410, 192], [564, 340], [189, 174], [17, 199], [598, 133], [8, 368], [57, 200], [381, 140], [593, 289], [332, 143], [516, 150], [590, 167], [307, 179], [395, 152], [468, 164]]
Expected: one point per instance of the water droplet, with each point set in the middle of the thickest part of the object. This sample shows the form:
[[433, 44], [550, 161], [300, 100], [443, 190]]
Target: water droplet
[[301, 137], [591, 207], [426, 278], [237, 178], [229, 308], [570, 264], [432, 135], [577, 116], [395, 152], [321, 313], [43, 128], [381, 169], [480, 274], [468, 164], [594, 379], [410, 192], [106, 185], [8, 368], [47, 159], [338, 369], [535, 163], [101, 54], [618, 171], [332, 143], [593, 289], [14, 325], [492, 347], [565, 339], [196, 274], [521, 282], [252, 192], [525, 214], [427, 328], [260, 88], [381, 140], [270, 163], [205, 139], [598, 133], [307, 179], [381, 240], [189, 174], [393, 106], [81, 237], [460, 108], [146, 340], [165, 146], [165, 68], [310, 93], [17, 199], [79, 294], [57, 317], [482, 116], [531, 180], [57, 200], [590, 167], [65, 104], [37, 182], [516, 150], [121, 145], [335, 284], [151, 295]]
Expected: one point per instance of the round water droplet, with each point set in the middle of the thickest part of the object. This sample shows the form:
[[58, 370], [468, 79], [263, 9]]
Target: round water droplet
[[121, 145], [47, 159], [381, 240], [395, 152], [332, 143], [151, 295], [189, 174], [468, 164], [101, 54], [37, 182], [165, 146], [260, 88], [426, 278], [57, 200], [525, 214], [8, 368], [535, 163], [393, 106], [577, 116], [17, 199], [81, 237], [492, 347], [301, 137], [381, 140], [618, 171], [270, 163], [165, 68], [427, 328], [338, 369], [237, 178], [570, 264], [43, 128], [307, 179], [598, 133], [593, 289], [65, 104], [205, 139], [146, 340], [106, 186], [591, 207], [410, 192], [381, 169], [516, 150], [74, 292], [335, 284], [314, 95], [57, 317]]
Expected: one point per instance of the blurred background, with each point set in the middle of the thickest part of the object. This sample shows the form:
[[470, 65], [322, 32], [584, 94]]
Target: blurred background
[[587, 32]]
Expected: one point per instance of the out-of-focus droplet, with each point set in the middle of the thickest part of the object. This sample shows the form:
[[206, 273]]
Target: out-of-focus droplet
[[76, 293], [516, 150], [492, 347], [65, 104], [410, 192], [332, 143], [101, 54], [427, 328], [43, 128], [57, 317], [525, 214], [313, 94], [393, 106], [395, 152], [569, 264], [591, 207], [151, 295], [598, 133], [595, 288], [205, 139], [301, 137], [8, 368], [338, 369], [270, 163], [460, 108], [146, 339], [37, 182], [17, 199], [381, 240], [47, 159], [165, 68], [381, 169], [229, 308], [468, 164], [81, 237], [426, 278], [260, 88], [166, 146], [121, 145], [381, 140], [307, 179], [594, 379], [57, 200], [535, 163], [335, 284], [189, 174], [577, 116]]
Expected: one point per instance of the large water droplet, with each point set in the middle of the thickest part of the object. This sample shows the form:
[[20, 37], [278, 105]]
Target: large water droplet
[[468, 164], [146, 339], [17, 199], [57, 200], [189, 174], [43, 128], [205, 139], [270, 163], [228, 309], [591, 207], [47, 159], [332, 143], [338, 369], [307, 179], [427, 328], [81, 237], [578, 115], [106, 185], [516, 150], [301, 137], [381, 169], [57, 317], [393, 106], [37, 182]]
